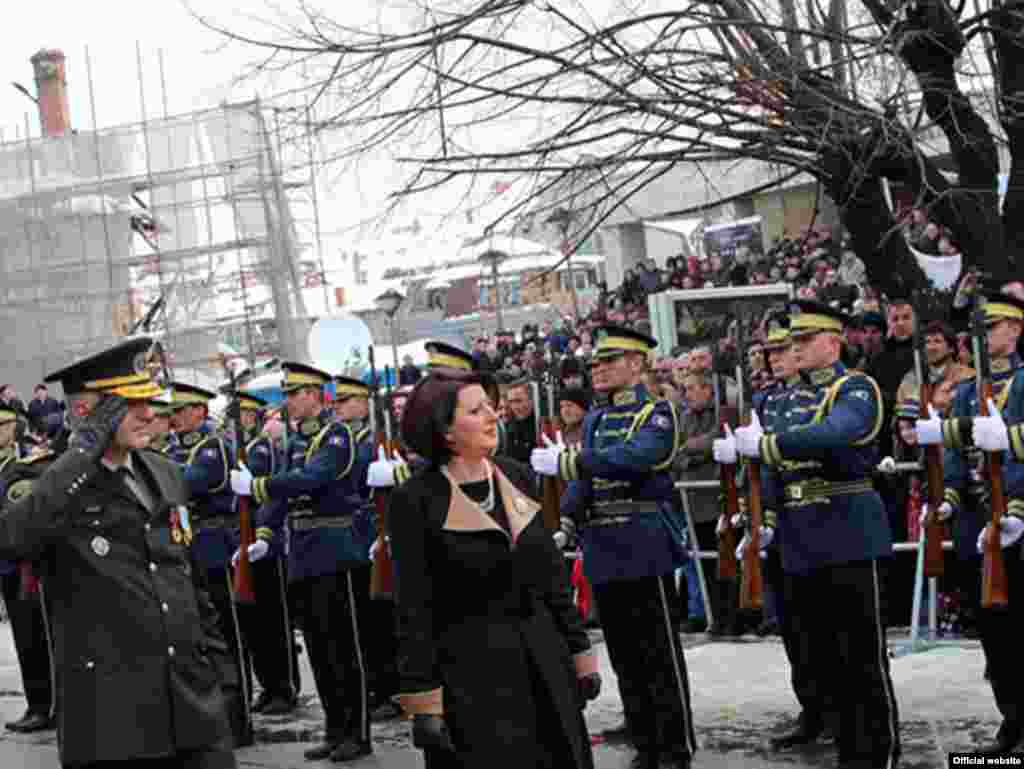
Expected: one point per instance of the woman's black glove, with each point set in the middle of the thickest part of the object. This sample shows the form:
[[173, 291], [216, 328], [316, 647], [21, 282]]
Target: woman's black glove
[[589, 687], [429, 732], [97, 430]]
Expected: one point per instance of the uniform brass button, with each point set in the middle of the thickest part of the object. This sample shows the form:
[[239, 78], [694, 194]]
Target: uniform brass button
[[90, 664], [149, 527], [152, 567], [170, 651], [164, 607]]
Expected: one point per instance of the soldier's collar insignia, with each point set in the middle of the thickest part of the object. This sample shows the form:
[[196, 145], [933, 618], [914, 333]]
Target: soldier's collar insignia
[[624, 397], [191, 439], [821, 376], [309, 427]]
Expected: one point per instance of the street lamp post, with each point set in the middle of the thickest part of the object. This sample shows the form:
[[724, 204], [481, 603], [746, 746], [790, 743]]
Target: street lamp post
[[562, 218], [388, 303], [494, 258]]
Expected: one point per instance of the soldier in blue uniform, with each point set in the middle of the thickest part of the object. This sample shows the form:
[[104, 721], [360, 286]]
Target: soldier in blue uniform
[[833, 530], [326, 557], [24, 601], [164, 440], [966, 497], [266, 626], [622, 498], [352, 407], [206, 458]]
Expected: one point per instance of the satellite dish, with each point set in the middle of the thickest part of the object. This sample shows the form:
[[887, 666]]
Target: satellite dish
[[340, 345]]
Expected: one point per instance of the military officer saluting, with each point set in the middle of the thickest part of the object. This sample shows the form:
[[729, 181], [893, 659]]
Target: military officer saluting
[[266, 625], [137, 645], [965, 435], [622, 498], [326, 558], [833, 528], [22, 597], [206, 457]]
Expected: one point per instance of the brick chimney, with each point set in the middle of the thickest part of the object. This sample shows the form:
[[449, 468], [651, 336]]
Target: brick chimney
[[52, 91]]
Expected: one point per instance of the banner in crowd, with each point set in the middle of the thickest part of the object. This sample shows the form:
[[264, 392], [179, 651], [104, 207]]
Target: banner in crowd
[[738, 242]]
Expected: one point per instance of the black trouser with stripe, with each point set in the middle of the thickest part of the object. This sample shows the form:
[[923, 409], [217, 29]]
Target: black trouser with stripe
[[1000, 638], [836, 626], [31, 643], [647, 657], [266, 630], [328, 610], [238, 678]]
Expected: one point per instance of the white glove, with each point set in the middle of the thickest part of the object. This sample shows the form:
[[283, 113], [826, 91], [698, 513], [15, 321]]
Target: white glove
[[1010, 529], [929, 431], [748, 439], [561, 539], [381, 474], [545, 461], [990, 432], [766, 533], [241, 481], [887, 466], [724, 449], [944, 511], [256, 550]]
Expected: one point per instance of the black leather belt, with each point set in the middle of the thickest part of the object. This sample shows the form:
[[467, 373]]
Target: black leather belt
[[215, 522], [307, 522]]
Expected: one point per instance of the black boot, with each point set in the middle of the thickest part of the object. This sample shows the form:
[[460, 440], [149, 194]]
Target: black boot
[[645, 759], [807, 731], [321, 751], [350, 750]]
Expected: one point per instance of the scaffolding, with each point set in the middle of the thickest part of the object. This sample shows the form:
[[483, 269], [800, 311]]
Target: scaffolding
[[96, 227]]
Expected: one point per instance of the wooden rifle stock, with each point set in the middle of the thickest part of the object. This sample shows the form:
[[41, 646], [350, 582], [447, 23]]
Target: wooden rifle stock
[[727, 565], [551, 490], [752, 585], [382, 570], [935, 531], [995, 592], [245, 591]]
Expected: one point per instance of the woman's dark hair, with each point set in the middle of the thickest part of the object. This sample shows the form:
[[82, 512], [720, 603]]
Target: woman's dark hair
[[430, 410]]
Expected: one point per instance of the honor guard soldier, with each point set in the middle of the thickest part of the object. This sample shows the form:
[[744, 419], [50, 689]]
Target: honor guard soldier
[[164, 440], [138, 650], [967, 496], [623, 500], [833, 529], [352, 407], [266, 625], [206, 457], [326, 558], [24, 600]]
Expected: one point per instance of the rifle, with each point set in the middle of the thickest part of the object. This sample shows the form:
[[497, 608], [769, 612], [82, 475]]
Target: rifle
[[727, 564], [244, 589], [551, 491], [935, 530], [994, 585], [382, 570], [752, 585]]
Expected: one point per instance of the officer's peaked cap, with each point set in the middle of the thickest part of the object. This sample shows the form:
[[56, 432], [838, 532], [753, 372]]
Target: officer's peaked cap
[[126, 369], [613, 341], [299, 375], [810, 317]]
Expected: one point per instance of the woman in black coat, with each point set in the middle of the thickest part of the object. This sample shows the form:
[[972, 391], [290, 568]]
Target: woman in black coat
[[494, 663]]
